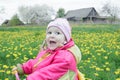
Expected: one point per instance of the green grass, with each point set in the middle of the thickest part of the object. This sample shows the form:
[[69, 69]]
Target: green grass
[[99, 45]]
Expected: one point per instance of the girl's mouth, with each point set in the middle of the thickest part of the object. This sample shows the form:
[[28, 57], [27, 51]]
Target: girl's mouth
[[52, 42]]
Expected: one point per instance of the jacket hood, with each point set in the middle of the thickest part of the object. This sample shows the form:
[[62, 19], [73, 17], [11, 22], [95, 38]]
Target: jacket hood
[[76, 52]]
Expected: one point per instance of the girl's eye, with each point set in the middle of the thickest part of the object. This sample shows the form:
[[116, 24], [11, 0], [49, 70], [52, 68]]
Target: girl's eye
[[49, 32], [57, 33]]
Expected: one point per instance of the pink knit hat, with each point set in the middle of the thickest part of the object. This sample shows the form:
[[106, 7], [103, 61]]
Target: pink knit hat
[[62, 24]]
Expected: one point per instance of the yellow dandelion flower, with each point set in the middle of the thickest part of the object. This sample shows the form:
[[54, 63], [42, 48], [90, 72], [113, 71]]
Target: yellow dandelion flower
[[15, 55], [2, 71], [34, 57], [19, 53], [5, 66], [12, 67], [107, 69], [104, 66], [117, 53], [94, 58], [88, 61], [117, 71], [30, 53], [118, 79], [21, 46], [23, 49], [107, 63], [7, 55], [81, 67], [25, 58], [6, 79], [8, 72], [99, 54], [15, 48], [93, 66], [88, 79], [101, 69], [97, 69], [106, 57], [96, 74]]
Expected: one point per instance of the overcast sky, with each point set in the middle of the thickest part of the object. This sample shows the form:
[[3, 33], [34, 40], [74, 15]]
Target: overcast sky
[[11, 6]]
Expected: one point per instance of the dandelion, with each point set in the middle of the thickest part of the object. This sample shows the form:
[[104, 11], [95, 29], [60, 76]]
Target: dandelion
[[97, 69], [2, 71], [25, 58], [107, 63], [3, 50], [19, 53], [30, 53], [81, 67], [34, 57], [117, 71], [107, 69], [23, 49], [96, 74], [7, 55], [93, 66], [106, 57], [88, 79], [99, 54], [21, 46], [6, 79], [94, 58], [118, 79], [5, 66], [117, 53], [8, 72], [15, 48], [104, 66], [12, 67], [15, 55], [88, 61]]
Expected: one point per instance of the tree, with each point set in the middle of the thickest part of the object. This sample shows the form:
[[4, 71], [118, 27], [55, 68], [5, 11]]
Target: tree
[[2, 10], [36, 14], [61, 12], [24, 14], [15, 21], [111, 10]]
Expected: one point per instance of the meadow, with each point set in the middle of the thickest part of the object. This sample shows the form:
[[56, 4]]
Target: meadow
[[99, 45]]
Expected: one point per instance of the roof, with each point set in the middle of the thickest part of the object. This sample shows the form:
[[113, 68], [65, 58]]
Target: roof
[[84, 12]]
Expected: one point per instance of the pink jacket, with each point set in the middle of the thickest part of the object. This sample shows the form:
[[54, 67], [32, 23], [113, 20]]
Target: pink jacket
[[53, 66]]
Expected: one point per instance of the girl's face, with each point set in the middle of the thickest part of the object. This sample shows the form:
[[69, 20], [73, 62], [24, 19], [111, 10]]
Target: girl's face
[[55, 38]]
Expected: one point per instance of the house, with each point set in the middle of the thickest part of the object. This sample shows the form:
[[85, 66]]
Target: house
[[5, 22], [86, 15]]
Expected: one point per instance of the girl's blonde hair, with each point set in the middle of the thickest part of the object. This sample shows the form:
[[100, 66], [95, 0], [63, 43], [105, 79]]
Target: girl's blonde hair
[[43, 46]]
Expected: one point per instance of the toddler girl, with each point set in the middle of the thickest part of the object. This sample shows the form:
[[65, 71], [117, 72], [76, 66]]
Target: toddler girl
[[58, 60]]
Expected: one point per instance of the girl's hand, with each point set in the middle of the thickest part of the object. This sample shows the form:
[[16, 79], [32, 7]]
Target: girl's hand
[[18, 69], [14, 70]]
